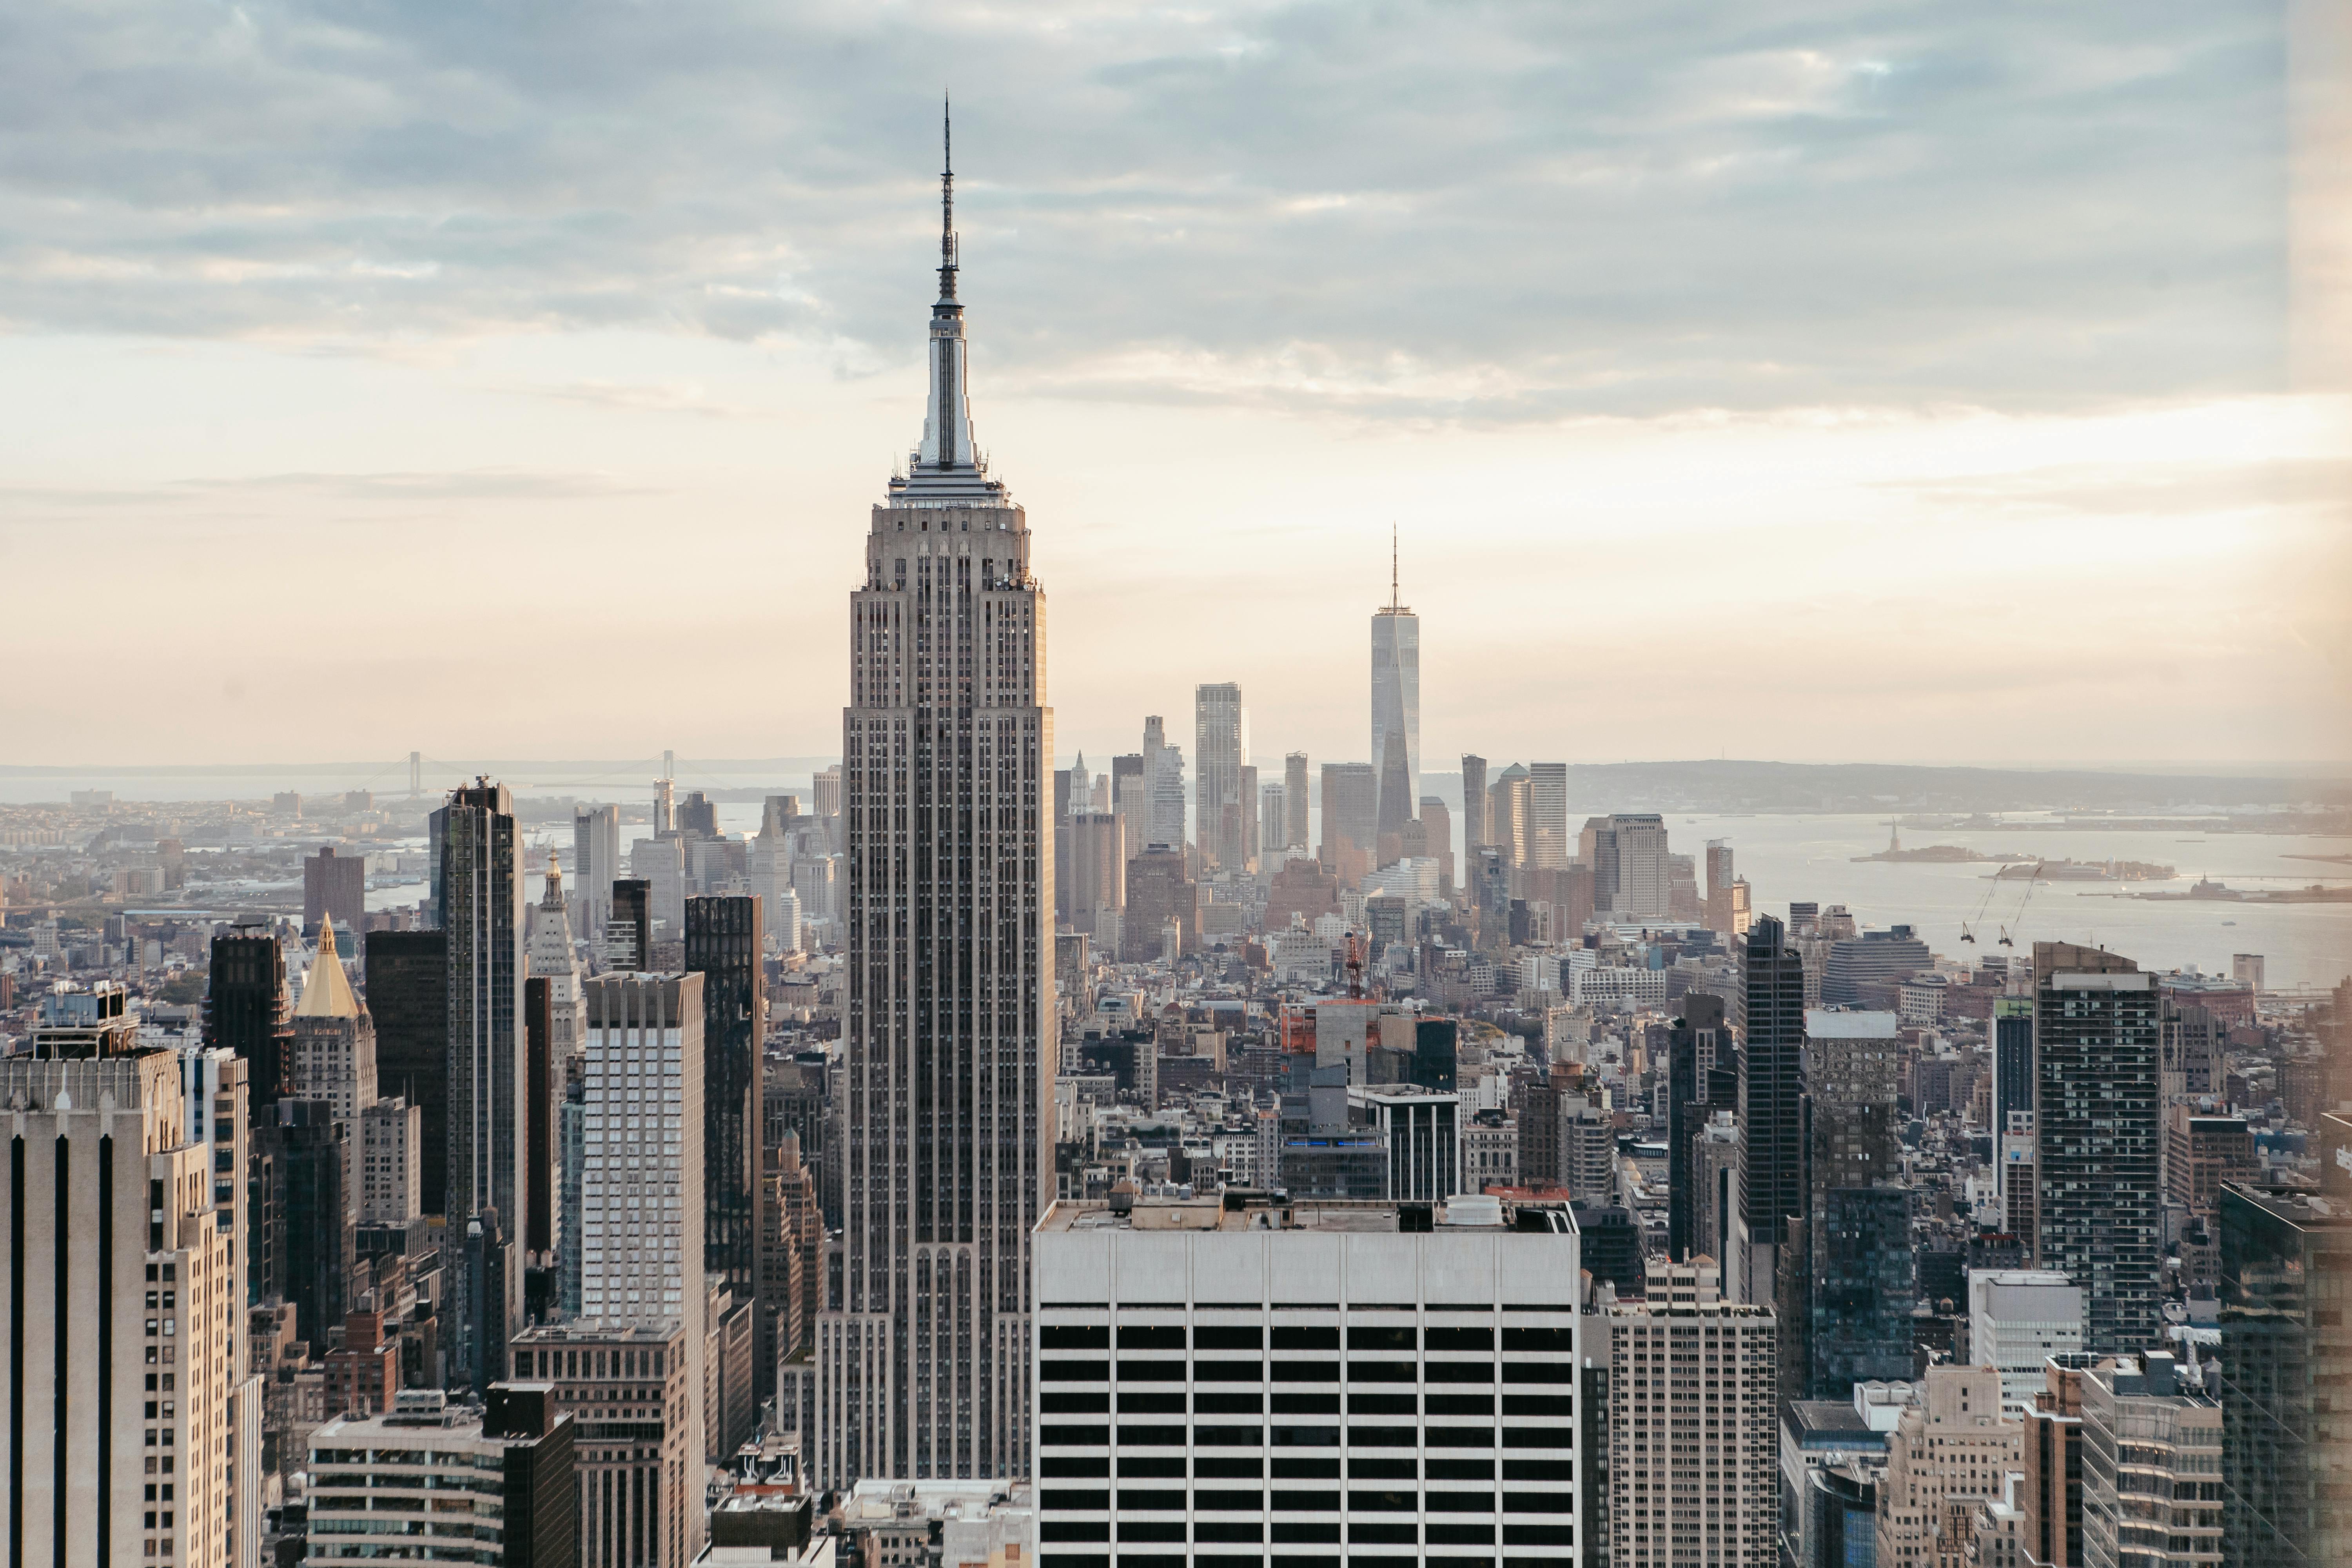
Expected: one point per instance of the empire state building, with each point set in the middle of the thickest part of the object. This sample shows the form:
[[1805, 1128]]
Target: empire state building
[[921, 1360]]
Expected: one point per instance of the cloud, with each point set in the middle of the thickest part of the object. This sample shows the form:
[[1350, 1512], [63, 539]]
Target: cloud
[[215, 497], [1493, 213]]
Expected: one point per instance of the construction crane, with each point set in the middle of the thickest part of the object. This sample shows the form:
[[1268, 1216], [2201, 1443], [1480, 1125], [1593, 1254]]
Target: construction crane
[[2018, 920], [1967, 927]]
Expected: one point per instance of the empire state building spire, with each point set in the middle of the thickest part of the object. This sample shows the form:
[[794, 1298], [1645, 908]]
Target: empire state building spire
[[947, 452]]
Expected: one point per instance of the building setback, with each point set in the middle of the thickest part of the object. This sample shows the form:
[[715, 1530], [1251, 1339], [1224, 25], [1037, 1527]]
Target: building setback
[[947, 748], [516, 1507]]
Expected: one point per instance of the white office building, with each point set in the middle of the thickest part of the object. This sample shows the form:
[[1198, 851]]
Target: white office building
[[2019, 1318], [1221, 1377]]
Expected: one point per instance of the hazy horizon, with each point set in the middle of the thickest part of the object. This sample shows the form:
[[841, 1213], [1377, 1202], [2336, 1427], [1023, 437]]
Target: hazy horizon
[[1799, 380]]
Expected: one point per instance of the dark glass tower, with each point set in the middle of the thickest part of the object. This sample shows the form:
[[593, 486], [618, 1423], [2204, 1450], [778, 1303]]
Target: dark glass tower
[[480, 903], [246, 1008], [722, 945], [1771, 1091], [316, 1242], [1702, 1077], [2097, 1045], [2286, 1264], [408, 995]]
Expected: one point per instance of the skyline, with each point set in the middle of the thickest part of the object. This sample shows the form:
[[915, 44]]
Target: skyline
[[1803, 504]]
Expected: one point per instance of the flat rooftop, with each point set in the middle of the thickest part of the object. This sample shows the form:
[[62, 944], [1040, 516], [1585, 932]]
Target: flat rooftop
[[1235, 1211]]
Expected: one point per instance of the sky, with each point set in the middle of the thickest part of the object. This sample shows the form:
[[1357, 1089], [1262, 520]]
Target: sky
[[1828, 381]]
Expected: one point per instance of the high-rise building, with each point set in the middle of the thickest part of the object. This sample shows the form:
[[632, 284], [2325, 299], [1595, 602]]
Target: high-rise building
[[1857, 1279], [1771, 1112], [550, 957], [1350, 815], [1437, 835], [922, 1357], [334, 1047], [2050, 1497], [333, 887], [792, 1250], [644, 1068], [1274, 821], [629, 932], [595, 865], [1396, 799], [391, 1140], [2019, 1318], [408, 997], [1245, 812], [2287, 1258], [1473, 804], [1396, 698], [636, 1393], [2098, 1138], [1631, 877], [660, 864], [1955, 1444], [1459, 1438], [1295, 801], [722, 945], [1220, 748], [1692, 1427], [1090, 862], [128, 1414], [2151, 1447], [308, 1154], [480, 900], [1719, 878], [1548, 844], [502, 1472], [246, 1009], [1130, 797], [1702, 1077], [1159, 894], [2013, 1114]]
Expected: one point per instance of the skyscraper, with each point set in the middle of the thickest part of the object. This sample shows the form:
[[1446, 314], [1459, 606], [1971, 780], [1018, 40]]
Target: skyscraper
[[1630, 876], [334, 1047], [723, 945], [1771, 1090], [554, 961], [1396, 695], [1220, 747], [333, 886], [2284, 1254], [947, 745], [408, 996], [1701, 1077], [480, 900], [1473, 804], [121, 1275], [2097, 1028], [1350, 815], [1548, 846], [595, 863], [1295, 801], [246, 1009], [1510, 815]]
